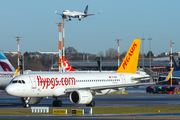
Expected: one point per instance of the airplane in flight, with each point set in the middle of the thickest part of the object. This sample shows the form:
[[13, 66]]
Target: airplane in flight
[[79, 87], [75, 14]]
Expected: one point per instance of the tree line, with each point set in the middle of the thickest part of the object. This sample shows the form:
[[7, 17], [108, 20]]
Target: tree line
[[42, 62]]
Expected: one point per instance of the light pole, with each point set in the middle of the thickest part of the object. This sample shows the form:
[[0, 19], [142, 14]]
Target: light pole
[[118, 52], [60, 48], [18, 56], [171, 42], [150, 50], [143, 50]]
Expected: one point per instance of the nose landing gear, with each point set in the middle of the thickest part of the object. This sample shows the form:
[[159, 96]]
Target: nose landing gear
[[26, 102]]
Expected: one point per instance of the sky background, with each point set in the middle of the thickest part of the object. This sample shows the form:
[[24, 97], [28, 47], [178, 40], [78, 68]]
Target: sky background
[[35, 21]]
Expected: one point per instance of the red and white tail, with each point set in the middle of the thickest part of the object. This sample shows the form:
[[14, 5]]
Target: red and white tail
[[67, 66]]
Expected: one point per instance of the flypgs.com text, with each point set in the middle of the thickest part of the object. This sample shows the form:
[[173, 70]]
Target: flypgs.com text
[[53, 82]]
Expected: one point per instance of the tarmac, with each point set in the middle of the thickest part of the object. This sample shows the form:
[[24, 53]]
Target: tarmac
[[136, 97]]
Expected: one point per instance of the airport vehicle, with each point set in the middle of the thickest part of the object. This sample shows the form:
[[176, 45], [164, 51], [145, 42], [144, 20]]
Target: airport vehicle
[[7, 71], [75, 14], [165, 89], [173, 90], [157, 89], [149, 89], [79, 87]]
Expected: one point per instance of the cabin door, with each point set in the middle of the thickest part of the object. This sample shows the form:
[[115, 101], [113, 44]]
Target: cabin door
[[33, 82], [123, 79]]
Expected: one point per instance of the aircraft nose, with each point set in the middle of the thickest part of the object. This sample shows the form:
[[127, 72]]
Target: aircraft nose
[[9, 90]]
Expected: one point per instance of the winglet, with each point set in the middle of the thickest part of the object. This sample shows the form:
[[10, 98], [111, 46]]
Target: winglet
[[169, 75], [130, 62], [15, 73]]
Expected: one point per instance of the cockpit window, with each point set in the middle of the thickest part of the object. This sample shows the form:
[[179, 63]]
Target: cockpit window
[[15, 81], [18, 81]]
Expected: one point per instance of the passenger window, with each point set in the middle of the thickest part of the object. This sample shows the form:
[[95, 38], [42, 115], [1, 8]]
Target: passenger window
[[23, 82]]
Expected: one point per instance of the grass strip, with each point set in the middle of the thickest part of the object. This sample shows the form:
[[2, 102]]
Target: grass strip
[[98, 110]]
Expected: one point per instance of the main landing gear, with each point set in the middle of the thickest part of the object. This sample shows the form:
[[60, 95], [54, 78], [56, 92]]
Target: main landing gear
[[26, 102], [57, 103], [91, 104]]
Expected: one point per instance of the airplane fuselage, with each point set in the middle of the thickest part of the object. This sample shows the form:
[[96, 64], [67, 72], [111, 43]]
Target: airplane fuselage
[[5, 78], [73, 14], [40, 85]]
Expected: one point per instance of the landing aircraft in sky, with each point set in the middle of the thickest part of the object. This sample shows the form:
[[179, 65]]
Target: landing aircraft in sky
[[75, 14], [79, 87]]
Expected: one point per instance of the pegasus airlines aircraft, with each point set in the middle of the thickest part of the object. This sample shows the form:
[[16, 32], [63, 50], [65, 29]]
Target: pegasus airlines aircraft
[[7, 71], [79, 87], [75, 14]]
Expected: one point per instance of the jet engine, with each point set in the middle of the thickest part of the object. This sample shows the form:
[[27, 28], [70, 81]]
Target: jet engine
[[81, 97], [32, 100]]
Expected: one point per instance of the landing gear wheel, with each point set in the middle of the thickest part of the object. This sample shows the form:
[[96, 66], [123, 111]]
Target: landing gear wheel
[[26, 105], [91, 104], [57, 103], [26, 101]]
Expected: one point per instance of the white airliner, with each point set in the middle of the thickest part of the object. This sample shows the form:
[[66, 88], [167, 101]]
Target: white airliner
[[79, 87], [7, 71], [75, 14]]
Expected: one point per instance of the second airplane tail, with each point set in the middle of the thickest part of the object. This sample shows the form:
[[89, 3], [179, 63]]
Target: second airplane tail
[[5, 65], [174, 64], [67, 66], [130, 62]]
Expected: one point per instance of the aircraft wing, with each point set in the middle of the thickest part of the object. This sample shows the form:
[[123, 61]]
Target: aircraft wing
[[97, 88], [110, 87], [58, 13], [85, 15]]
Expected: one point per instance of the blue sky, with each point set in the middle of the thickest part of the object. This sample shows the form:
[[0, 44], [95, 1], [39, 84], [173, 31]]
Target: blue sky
[[34, 20]]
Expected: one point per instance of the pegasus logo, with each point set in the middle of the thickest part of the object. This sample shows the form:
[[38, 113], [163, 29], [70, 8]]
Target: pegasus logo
[[129, 55], [53, 82]]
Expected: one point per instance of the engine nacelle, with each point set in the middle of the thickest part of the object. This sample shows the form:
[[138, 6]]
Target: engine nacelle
[[59, 91], [33, 100], [81, 97]]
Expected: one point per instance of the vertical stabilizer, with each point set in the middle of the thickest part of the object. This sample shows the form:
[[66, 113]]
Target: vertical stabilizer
[[130, 62], [67, 66], [5, 65], [86, 9], [174, 64]]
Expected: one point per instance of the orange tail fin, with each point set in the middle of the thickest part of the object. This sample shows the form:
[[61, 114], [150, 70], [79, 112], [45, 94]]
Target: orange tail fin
[[130, 62]]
